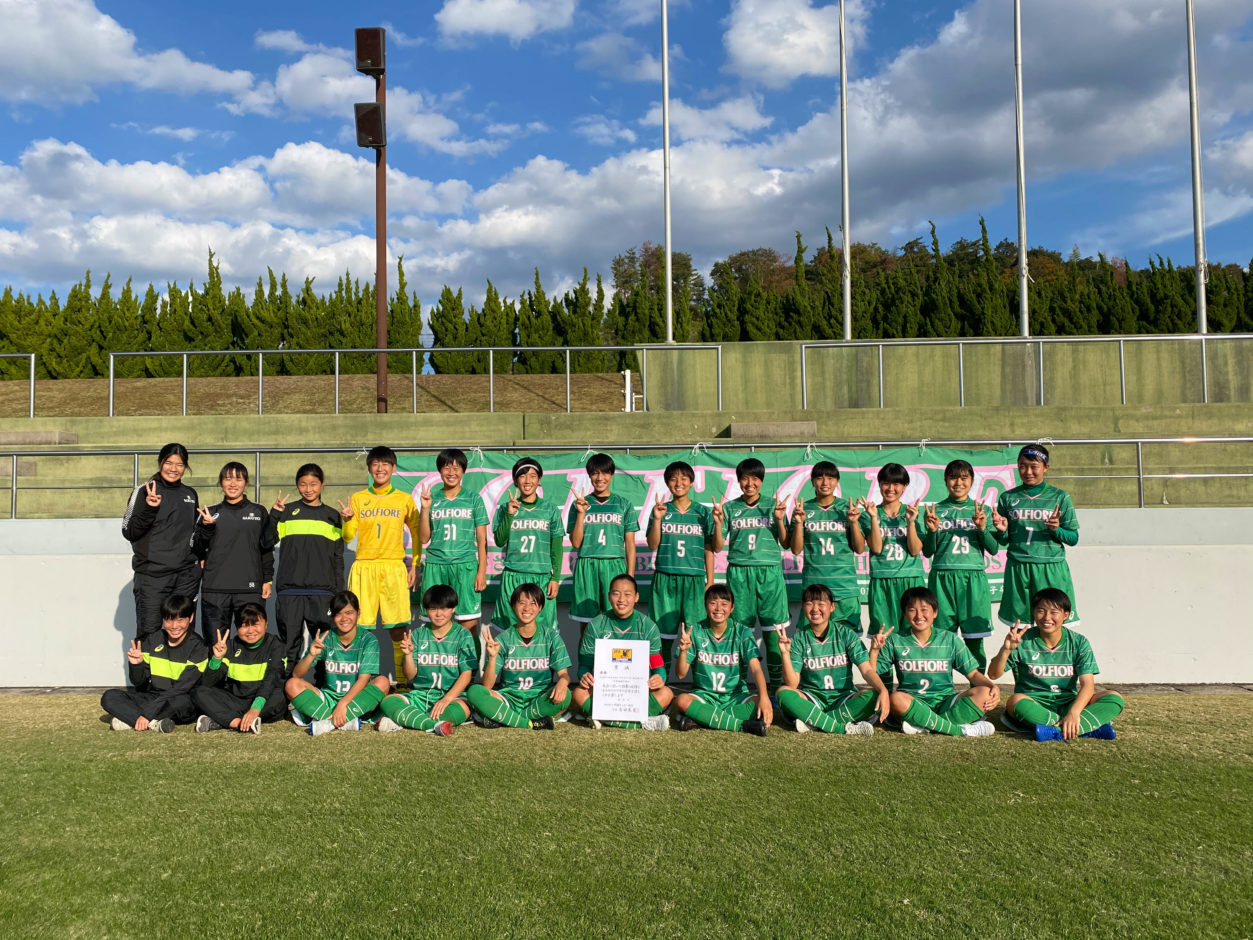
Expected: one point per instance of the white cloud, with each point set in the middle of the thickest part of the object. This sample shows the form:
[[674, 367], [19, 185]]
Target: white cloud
[[621, 57], [603, 131], [777, 41], [288, 40], [728, 120], [516, 19]]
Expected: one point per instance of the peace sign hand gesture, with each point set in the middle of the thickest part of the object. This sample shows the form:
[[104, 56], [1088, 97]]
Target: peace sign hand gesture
[[151, 496], [581, 504], [424, 498], [685, 638], [911, 512], [1014, 637], [406, 643], [206, 517], [345, 512], [854, 511], [512, 506], [717, 509], [280, 502], [872, 509], [660, 508], [785, 642], [135, 655], [931, 519], [880, 639], [999, 522], [1055, 520], [319, 642], [799, 514], [780, 509], [219, 648], [980, 518], [492, 645]]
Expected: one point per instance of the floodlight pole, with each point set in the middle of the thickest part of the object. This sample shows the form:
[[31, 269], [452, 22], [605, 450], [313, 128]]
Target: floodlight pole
[[846, 273], [1024, 321], [665, 157], [1198, 191], [380, 253]]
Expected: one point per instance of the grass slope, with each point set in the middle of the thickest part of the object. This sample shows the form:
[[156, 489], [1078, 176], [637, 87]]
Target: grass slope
[[625, 834]]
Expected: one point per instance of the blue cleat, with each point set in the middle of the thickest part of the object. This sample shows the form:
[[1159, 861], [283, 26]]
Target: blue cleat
[[1104, 733], [1048, 733]]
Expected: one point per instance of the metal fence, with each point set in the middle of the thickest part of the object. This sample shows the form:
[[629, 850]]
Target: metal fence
[[138, 457], [414, 354], [30, 359]]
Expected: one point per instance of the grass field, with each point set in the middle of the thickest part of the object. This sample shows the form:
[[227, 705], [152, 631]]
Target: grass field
[[626, 834]]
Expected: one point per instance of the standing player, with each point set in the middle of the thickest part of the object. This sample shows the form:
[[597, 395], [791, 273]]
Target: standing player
[[826, 534], [310, 562], [1036, 521], [756, 530], [163, 669], [1054, 689], [453, 527], [346, 668], [159, 521], [624, 622], [894, 538], [726, 657], [924, 660], [957, 540], [685, 536], [243, 684], [377, 517], [603, 530], [439, 661], [525, 658], [529, 529], [818, 672], [234, 539]]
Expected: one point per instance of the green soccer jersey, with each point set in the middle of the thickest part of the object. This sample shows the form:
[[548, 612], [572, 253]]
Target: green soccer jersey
[[829, 559], [528, 665], [958, 545], [894, 561], [605, 526], [340, 665], [1042, 672], [684, 534], [750, 534], [454, 527], [721, 665], [827, 664], [531, 533], [441, 662], [609, 627], [926, 670], [1029, 539]]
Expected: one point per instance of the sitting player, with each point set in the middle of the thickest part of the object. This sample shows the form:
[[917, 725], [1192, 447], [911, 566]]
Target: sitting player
[[164, 667], [347, 666], [818, 665], [243, 684], [439, 662], [1036, 521], [726, 656], [826, 533], [525, 659], [958, 540], [528, 529], [1054, 692], [624, 622], [924, 659], [603, 530], [894, 538]]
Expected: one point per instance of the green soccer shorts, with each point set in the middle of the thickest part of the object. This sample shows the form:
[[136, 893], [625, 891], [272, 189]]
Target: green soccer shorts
[[527, 700], [677, 599], [885, 601], [958, 708], [726, 701], [965, 602], [459, 577], [847, 612], [425, 699], [1021, 583], [503, 616], [592, 577], [760, 595]]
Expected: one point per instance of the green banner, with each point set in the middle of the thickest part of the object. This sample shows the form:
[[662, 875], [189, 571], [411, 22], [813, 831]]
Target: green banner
[[639, 478]]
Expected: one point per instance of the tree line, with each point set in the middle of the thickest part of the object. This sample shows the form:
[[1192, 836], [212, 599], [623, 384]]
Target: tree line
[[916, 290]]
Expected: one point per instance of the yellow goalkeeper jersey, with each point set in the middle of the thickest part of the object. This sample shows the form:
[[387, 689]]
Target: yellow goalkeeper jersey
[[378, 523]]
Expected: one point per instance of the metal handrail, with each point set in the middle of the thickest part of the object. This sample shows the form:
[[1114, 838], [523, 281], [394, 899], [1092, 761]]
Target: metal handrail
[[258, 452], [30, 358], [1038, 341], [414, 352]]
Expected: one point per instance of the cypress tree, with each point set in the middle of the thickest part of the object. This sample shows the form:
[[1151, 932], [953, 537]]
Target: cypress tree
[[404, 321], [939, 296], [448, 328]]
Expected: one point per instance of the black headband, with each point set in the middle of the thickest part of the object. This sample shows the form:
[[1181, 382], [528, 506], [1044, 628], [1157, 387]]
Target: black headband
[[1034, 452]]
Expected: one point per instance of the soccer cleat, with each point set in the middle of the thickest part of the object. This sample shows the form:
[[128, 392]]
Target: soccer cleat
[[161, 725], [443, 729], [354, 725], [594, 724], [297, 716], [912, 729], [253, 727], [801, 727], [859, 727], [755, 726], [205, 724], [321, 726], [978, 729], [564, 716], [656, 723], [485, 722], [1009, 724], [683, 723], [1104, 733], [1048, 733], [543, 723], [119, 725], [386, 725]]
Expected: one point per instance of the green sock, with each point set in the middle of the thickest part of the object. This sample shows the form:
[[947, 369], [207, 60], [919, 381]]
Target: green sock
[[920, 714], [1031, 712], [312, 705], [802, 709], [398, 709], [489, 706], [1103, 710], [667, 648], [774, 658], [545, 707], [365, 701], [712, 717], [586, 707], [860, 707], [976, 650], [478, 642]]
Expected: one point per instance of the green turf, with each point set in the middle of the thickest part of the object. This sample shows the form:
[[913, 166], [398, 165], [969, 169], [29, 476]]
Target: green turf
[[624, 833]]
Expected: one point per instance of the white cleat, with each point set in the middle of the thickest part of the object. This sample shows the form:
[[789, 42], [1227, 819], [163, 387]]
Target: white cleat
[[978, 729], [656, 723], [912, 729], [386, 725], [859, 727], [801, 727], [594, 724]]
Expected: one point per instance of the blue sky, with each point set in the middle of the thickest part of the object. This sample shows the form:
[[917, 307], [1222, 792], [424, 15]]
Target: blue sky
[[526, 133]]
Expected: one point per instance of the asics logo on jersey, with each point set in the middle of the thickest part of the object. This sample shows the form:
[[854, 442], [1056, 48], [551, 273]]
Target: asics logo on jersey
[[540, 524], [526, 663], [1065, 671], [718, 659], [347, 669], [925, 665], [826, 662], [435, 659], [159, 648], [681, 528], [295, 512]]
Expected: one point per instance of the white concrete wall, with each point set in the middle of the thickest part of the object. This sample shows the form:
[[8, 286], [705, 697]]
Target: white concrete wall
[[1159, 590]]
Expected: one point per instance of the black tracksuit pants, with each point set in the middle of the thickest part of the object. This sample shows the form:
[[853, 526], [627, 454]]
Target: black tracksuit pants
[[129, 705], [152, 590], [223, 707]]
